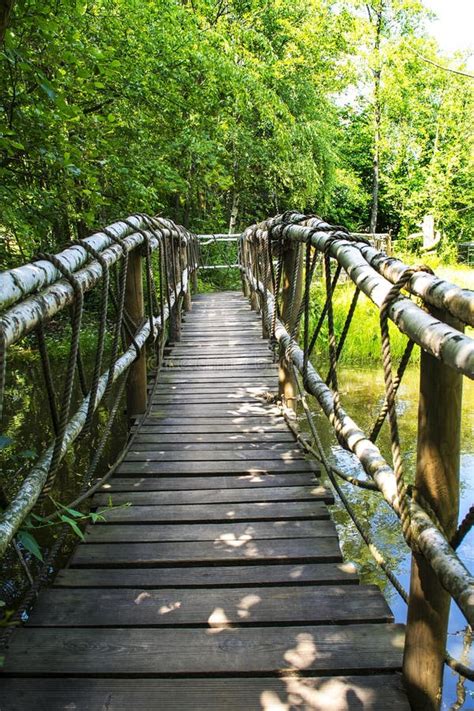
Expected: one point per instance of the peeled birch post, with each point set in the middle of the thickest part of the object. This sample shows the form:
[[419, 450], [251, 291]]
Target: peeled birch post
[[175, 315], [437, 479], [292, 293], [184, 264], [135, 306]]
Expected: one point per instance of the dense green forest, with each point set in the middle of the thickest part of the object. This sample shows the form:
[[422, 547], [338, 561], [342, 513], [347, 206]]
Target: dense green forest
[[217, 113]]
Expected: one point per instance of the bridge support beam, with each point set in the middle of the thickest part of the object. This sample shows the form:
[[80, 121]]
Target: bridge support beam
[[437, 480], [134, 303], [292, 293]]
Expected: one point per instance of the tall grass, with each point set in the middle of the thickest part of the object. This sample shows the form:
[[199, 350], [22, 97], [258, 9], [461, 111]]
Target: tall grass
[[363, 342]]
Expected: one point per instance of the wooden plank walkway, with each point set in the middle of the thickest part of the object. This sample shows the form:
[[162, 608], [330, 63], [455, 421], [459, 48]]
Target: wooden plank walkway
[[221, 586]]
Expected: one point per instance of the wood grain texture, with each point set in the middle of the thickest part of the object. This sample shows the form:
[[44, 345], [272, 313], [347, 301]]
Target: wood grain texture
[[251, 511], [116, 533], [130, 651], [243, 576], [188, 485], [135, 607], [194, 553], [230, 467], [383, 692], [148, 496]]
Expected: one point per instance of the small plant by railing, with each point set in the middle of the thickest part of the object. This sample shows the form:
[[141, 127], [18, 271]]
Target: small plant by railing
[[279, 259]]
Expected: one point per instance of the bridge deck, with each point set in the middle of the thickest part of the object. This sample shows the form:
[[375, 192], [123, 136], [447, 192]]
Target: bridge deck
[[221, 585]]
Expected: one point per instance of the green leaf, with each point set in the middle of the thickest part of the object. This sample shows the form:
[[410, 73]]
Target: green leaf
[[72, 512], [73, 525], [96, 517], [29, 542]]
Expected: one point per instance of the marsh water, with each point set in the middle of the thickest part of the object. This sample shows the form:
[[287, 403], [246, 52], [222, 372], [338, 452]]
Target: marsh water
[[362, 395]]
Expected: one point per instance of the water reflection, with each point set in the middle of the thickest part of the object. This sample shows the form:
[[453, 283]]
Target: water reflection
[[362, 391]]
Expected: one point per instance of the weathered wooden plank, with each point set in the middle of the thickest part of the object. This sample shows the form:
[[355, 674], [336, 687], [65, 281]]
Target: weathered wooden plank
[[253, 388], [242, 419], [213, 411], [260, 348], [210, 427], [223, 366], [227, 439], [263, 575], [236, 467], [258, 511], [222, 375], [145, 451], [119, 533], [383, 692], [223, 361], [219, 483], [194, 552], [150, 497], [152, 441], [250, 606], [325, 648], [205, 399]]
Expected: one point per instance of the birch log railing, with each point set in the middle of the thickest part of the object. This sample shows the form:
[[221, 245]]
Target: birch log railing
[[136, 275], [278, 260]]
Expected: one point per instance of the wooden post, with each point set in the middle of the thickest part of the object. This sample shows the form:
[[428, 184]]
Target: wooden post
[[134, 303], [175, 285], [291, 256], [437, 479], [187, 303]]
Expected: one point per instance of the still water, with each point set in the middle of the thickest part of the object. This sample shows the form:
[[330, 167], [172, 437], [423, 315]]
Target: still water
[[362, 393]]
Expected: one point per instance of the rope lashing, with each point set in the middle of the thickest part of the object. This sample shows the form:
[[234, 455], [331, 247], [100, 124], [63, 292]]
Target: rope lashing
[[120, 308], [365, 534], [105, 282], [391, 297], [71, 366], [48, 377], [464, 527]]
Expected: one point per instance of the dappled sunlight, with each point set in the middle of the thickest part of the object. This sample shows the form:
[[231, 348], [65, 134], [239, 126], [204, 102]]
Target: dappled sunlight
[[247, 602], [244, 544], [141, 598], [270, 701], [230, 539], [218, 620], [169, 607], [305, 652], [337, 694]]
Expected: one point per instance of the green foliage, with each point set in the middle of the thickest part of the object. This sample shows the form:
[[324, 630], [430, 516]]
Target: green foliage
[[189, 109], [115, 107], [63, 514]]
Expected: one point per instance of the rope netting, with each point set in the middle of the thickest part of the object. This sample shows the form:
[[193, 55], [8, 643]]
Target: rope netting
[[279, 259], [84, 396]]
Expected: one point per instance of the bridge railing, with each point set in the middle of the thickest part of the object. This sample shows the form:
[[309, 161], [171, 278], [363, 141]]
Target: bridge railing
[[279, 258], [131, 280]]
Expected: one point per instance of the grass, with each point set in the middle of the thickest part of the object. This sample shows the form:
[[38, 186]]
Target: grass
[[363, 342]]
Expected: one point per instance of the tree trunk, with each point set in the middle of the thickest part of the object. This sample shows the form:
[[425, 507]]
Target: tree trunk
[[377, 121], [6, 7], [234, 212]]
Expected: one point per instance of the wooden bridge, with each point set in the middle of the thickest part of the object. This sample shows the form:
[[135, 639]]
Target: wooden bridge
[[226, 564], [215, 578]]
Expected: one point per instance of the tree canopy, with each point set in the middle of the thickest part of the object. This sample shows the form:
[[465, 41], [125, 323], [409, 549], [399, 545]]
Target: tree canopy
[[204, 109]]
